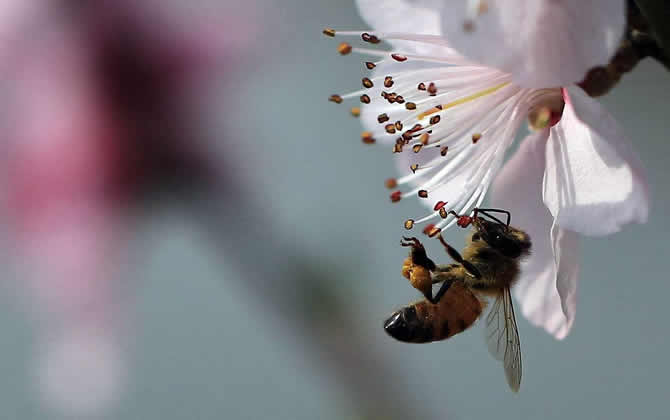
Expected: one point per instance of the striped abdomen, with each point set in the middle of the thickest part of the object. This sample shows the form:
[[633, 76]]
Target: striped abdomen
[[423, 322]]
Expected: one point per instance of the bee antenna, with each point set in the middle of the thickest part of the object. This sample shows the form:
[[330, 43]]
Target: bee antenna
[[486, 212]]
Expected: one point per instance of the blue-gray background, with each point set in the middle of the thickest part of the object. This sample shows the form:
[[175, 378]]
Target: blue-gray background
[[207, 347]]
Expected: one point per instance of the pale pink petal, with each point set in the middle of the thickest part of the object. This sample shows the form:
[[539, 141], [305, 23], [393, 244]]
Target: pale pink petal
[[594, 183], [542, 43], [518, 188]]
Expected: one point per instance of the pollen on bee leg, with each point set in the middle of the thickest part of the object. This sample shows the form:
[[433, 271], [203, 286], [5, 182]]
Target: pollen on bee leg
[[423, 194], [335, 98], [391, 183], [409, 224], [396, 196], [344, 48]]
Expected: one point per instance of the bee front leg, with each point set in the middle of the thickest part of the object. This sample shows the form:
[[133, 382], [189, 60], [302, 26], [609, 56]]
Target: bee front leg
[[418, 253], [469, 267]]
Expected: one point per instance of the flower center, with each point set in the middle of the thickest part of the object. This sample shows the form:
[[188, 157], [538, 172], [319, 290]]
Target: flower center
[[546, 110]]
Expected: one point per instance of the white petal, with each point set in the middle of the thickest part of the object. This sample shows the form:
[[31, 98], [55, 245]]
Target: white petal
[[518, 189], [594, 183], [421, 17], [542, 43]]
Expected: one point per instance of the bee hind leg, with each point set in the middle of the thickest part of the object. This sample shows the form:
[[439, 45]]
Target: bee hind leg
[[469, 267]]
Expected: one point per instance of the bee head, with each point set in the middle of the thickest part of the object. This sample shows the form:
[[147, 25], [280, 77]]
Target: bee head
[[507, 240]]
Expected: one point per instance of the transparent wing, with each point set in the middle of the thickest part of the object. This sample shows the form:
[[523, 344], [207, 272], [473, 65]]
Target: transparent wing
[[502, 338]]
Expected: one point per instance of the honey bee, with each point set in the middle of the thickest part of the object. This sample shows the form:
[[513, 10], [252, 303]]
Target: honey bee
[[487, 268]]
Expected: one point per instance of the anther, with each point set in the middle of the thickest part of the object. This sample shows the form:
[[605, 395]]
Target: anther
[[355, 111], [413, 167], [372, 39], [468, 26], [397, 148], [432, 89], [329, 32], [365, 99], [435, 119], [398, 125], [366, 137], [439, 205], [476, 137], [423, 138], [399, 99], [398, 57], [391, 183], [344, 48], [431, 230], [409, 224], [417, 148], [388, 81], [367, 82], [335, 98], [370, 65], [423, 193], [407, 136], [443, 213], [390, 128], [444, 150], [382, 118], [410, 106], [396, 196], [416, 128], [421, 86]]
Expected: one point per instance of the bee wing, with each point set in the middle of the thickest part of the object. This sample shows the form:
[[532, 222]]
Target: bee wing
[[502, 338]]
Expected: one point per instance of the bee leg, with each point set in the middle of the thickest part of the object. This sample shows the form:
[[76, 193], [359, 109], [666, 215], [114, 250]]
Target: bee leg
[[469, 267], [443, 289], [446, 280], [443, 268], [418, 253]]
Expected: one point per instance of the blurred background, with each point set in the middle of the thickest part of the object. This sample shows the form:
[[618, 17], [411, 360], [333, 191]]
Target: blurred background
[[190, 230]]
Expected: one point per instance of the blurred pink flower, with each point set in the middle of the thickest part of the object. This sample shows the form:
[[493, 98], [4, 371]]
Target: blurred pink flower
[[452, 120], [101, 112]]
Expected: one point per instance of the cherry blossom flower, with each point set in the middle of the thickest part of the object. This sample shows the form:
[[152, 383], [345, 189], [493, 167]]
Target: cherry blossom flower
[[451, 120]]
